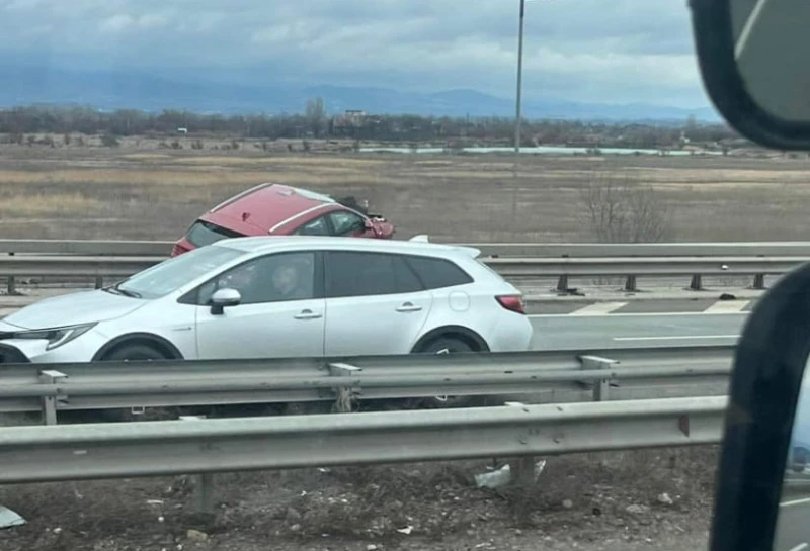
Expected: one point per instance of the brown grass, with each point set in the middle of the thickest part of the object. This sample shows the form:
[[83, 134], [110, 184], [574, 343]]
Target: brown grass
[[69, 204], [134, 194]]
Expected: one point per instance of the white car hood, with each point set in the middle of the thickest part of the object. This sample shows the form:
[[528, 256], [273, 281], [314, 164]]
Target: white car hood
[[73, 309]]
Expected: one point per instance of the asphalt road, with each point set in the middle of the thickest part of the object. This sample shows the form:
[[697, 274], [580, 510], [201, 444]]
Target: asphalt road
[[793, 529], [556, 332]]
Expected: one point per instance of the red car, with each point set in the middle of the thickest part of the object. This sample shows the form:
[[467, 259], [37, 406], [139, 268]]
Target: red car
[[273, 209]]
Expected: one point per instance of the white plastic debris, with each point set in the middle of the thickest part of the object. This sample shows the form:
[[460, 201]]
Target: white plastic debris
[[665, 499], [9, 519], [407, 530], [494, 479], [539, 467]]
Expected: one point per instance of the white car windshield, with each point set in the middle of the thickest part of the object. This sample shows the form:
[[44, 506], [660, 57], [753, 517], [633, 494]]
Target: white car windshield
[[170, 275]]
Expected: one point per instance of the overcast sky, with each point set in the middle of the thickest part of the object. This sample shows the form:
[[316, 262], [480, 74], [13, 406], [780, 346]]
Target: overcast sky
[[616, 51]]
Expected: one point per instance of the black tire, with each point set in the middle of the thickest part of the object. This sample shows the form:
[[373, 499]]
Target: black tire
[[137, 353], [134, 353], [446, 345]]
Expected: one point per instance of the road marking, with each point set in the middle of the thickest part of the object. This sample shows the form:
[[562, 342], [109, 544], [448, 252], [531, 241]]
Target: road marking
[[799, 547], [648, 314], [726, 306], [597, 309], [795, 502], [685, 338]]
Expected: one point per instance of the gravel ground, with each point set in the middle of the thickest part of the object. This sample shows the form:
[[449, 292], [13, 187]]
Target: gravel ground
[[650, 499]]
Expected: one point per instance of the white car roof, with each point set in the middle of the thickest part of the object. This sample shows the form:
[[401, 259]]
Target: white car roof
[[273, 243]]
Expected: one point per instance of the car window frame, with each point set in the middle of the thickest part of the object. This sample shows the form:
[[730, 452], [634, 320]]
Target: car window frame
[[192, 297], [326, 273]]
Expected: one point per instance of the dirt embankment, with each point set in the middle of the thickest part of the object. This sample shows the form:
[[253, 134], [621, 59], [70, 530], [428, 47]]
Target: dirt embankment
[[657, 499]]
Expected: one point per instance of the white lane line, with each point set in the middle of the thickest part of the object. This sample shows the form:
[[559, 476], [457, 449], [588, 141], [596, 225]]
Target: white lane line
[[795, 502], [647, 314], [685, 338], [598, 309], [725, 306], [800, 547]]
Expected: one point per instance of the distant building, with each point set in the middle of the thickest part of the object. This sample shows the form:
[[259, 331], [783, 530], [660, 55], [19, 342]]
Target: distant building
[[351, 118]]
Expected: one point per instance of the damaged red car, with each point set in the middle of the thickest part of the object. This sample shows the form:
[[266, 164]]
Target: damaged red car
[[273, 209]]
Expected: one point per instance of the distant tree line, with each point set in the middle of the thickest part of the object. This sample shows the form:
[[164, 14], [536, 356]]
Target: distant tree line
[[314, 122]]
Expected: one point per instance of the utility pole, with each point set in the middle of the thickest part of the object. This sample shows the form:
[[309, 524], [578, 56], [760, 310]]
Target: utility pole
[[519, 74]]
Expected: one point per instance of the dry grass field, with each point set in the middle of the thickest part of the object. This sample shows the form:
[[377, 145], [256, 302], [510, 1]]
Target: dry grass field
[[129, 193]]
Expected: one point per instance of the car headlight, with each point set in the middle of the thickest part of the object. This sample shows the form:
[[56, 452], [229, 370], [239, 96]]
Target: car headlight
[[55, 337]]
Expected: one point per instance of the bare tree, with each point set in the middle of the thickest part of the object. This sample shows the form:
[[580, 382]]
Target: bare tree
[[622, 211], [316, 116]]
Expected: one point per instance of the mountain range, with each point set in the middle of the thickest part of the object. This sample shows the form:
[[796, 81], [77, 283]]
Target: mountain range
[[106, 90]]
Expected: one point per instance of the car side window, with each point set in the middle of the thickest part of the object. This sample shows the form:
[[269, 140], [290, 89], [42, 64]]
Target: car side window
[[437, 272], [319, 226], [272, 278], [351, 274], [345, 222]]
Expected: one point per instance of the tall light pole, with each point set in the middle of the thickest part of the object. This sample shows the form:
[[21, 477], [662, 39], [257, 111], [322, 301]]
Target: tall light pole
[[519, 71]]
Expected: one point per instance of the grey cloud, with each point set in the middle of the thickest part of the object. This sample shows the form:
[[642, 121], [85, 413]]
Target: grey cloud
[[621, 51]]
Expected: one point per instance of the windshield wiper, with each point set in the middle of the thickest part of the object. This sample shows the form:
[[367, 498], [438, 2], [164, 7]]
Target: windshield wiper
[[117, 290]]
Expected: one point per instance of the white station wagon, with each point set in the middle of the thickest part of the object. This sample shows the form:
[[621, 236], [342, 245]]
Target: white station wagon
[[280, 297]]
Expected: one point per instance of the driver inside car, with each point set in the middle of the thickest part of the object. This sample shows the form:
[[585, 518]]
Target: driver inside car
[[292, 279]]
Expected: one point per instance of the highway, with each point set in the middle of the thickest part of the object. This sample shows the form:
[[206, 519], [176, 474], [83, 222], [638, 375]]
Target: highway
[[570, 332], [792, 532]]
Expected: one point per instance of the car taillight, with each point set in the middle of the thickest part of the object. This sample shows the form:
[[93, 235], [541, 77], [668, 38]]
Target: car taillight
[[511, 302], [177, 250]]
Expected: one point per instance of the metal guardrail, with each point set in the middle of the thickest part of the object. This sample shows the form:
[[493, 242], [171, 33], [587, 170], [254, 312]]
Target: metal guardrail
[[34, 454], [104, 259], [547, 376], [531, 250]]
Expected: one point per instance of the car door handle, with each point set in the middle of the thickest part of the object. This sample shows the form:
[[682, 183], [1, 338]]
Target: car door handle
[[408, 307], [307, 315]]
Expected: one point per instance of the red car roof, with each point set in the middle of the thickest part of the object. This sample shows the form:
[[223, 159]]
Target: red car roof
[[265, 206]]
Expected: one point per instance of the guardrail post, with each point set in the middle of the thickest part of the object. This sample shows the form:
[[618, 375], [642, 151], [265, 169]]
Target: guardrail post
[[99, 282], [630, 284], [203, 491], [697, 282], [50, 403], [11, 283], [759, 281], [562, 284], [345, 395], [521, 468], [601, 387]]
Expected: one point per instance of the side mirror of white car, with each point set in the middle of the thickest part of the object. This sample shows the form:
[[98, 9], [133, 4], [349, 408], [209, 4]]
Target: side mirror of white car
[[223, 298]]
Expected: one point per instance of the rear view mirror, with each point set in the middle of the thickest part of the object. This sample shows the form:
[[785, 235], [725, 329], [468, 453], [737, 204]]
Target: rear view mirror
[[753, 56], [760, 497], [224, 298]]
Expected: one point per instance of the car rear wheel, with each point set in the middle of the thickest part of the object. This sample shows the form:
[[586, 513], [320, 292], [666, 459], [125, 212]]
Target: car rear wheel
[[444, 346]]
